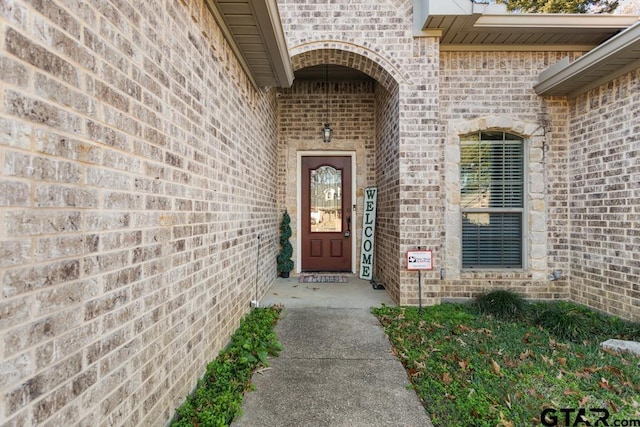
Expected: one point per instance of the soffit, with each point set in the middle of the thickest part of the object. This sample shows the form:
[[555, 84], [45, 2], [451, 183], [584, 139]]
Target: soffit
[[615, 57], [464, 23], [332, 73], [254, 29]]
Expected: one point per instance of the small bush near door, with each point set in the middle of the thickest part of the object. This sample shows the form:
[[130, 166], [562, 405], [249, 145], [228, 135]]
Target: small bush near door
[[285, 264]]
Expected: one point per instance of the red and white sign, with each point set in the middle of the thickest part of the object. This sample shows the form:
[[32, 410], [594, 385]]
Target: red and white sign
[[419, 260]]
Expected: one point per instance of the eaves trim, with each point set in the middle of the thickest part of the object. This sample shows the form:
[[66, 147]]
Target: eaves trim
[[266, 19], [218, 17], [567, 79], [465, 22], [270, 27]]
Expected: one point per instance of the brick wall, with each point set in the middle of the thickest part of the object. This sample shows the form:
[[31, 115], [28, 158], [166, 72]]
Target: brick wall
[[386, 265], [440, 96], [377, 38], [302, 112], [421, 159], [605, 197], [382, 157], [129, 191], [586, 156], [494, 90]]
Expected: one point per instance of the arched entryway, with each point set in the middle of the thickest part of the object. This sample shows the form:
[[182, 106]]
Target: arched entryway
[[357, 92]]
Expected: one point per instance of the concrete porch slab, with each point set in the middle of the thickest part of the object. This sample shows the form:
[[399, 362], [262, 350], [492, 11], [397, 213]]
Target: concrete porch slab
[[356, 293]]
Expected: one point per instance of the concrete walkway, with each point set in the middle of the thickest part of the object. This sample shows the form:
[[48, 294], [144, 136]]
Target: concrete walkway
[[337, 368]]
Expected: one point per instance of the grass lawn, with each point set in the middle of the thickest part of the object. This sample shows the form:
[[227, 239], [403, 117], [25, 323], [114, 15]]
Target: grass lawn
[[476, 370]]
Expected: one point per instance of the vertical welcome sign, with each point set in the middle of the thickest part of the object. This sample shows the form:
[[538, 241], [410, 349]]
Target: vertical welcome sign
[[368, 232]]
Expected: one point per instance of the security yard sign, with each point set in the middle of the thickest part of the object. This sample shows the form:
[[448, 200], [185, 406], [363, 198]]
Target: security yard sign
[[419, 260], [368, 232]]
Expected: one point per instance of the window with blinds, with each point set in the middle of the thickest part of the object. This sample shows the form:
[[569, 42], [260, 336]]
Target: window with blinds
[[492, 200]]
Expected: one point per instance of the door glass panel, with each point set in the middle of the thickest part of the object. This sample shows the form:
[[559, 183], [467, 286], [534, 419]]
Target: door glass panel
[[326, 200]]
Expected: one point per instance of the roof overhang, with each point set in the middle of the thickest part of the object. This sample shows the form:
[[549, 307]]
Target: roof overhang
[[254, 31], [615, 57], [463, 24]]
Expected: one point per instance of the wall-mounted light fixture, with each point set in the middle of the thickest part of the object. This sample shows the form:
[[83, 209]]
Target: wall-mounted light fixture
[[556, 275], [327, 133]]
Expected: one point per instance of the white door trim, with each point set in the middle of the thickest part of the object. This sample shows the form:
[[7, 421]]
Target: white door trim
[[354, 222]]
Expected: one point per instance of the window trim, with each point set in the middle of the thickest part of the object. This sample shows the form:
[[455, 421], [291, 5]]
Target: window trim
[[537, 257], [524, 255]]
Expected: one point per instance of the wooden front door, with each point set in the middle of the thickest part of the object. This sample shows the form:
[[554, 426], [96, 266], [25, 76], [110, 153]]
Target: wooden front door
[[327, 226]]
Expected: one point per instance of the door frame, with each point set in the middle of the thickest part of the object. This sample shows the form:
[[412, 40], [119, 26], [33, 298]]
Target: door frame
[[354, 222]]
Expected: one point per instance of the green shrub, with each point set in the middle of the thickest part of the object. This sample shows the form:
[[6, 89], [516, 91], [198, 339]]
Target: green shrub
[[218, 396], [621, 329], [577, 323], [567, 321], [501, 303], [284, 261]]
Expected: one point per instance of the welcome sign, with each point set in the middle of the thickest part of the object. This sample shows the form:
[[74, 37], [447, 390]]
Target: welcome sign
[[368, 232]]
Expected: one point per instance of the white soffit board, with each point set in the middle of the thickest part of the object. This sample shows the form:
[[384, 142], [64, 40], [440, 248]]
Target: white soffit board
[[464, 23], [254, 30]]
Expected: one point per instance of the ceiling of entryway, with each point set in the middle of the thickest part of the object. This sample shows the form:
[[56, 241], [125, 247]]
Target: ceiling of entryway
[[333, 73]]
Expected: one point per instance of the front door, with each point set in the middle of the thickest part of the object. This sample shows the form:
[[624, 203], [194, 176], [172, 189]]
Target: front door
[[326, 214]]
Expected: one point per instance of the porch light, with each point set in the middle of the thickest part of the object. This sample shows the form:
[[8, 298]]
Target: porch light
[[326, 131]]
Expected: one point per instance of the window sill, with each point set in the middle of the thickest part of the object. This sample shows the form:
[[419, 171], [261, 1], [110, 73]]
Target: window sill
[[493, 273]]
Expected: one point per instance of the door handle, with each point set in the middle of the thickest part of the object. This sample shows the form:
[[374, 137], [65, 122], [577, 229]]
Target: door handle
[[348, 232]]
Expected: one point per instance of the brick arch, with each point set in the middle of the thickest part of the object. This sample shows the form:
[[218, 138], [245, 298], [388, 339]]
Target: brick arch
[[388, 74], [525, 129]]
